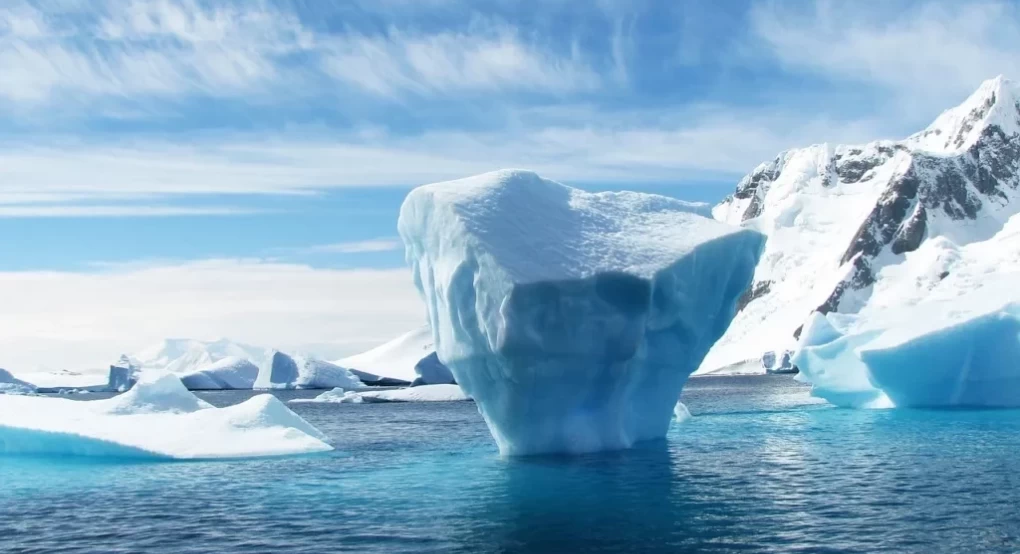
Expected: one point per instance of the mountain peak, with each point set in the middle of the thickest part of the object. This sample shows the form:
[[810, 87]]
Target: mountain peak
[[994, 103]]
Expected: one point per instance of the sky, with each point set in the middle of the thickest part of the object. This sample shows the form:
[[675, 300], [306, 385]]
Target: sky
[[207, 169]]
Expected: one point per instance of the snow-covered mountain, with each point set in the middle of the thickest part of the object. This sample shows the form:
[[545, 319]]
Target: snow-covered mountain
[[881, 223], [189, 355]]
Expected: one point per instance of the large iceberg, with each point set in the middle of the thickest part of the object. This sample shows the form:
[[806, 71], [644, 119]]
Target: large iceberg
[[282, 371], [573, 319], [157, 418]]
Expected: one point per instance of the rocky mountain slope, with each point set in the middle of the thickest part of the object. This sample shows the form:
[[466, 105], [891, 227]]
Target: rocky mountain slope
[[845, 221]]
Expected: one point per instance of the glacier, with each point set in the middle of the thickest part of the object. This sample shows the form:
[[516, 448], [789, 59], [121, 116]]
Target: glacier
[[158, 418], [572, 319], [282, 371]]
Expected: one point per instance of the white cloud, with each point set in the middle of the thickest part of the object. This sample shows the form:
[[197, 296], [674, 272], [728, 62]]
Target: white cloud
[[118, 211], [355, 247], [85, 319], [568, 148], [489, 57], [132, 51], [931, 55]]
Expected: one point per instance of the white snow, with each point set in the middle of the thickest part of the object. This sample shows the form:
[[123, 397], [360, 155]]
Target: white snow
[[811, 216], [423, 393], [229, 373], [406, 358], [573, 319], [157, 418], [282, 371], [11, 385], [941, 329]]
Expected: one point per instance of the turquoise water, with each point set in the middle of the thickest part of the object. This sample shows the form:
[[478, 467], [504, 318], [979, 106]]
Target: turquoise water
[[761, 467]]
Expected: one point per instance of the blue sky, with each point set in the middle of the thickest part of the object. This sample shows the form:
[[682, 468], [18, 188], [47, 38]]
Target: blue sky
[[139, 137]]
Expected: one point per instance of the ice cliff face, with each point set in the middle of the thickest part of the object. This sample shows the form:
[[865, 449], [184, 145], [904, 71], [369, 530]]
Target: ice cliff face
[[573, 319], [841, 220]]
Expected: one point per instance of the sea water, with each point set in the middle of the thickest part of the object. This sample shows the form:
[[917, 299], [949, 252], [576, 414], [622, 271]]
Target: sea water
[[760, 467]]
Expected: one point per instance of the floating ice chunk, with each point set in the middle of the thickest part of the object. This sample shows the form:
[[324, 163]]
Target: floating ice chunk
[[423, 393], [573, 319], [231, 373], [123, 374], [963, 351], [157, 418], [335, 396], [281, 371], [681, 413], [12, 385], [431, 371]]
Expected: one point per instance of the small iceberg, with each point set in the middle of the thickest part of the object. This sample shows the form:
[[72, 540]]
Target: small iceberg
[[282, 371], [423, 393], [9, 384], [158, 418]]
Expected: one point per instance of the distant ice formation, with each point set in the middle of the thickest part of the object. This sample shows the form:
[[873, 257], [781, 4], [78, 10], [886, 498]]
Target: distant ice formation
[[409, 358], [11, 385], [423, 393], [573, 319], [231, 373], [282, 371], [123, 374], [157, 418]]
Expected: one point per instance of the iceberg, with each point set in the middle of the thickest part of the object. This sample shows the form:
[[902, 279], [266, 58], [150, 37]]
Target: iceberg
[[572, 319], [423, 393], [947, 352], [281, 371], [158, 418], [9, 384], [123, 374], [231, 373], [411, 357]]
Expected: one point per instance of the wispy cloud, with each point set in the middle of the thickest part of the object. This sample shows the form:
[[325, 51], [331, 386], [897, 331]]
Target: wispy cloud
[[119, 211], [84, 319], [387, 244], [928, 57], [490, 56]]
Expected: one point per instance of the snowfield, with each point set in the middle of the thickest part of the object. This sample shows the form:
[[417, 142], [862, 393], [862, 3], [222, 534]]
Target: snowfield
[[157, 418], [572, 319]]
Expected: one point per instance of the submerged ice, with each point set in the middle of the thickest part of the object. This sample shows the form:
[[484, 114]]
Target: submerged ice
[[573, 319]]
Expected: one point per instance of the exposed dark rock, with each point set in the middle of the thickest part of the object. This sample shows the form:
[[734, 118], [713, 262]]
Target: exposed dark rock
[[759, 289], [911, 233]]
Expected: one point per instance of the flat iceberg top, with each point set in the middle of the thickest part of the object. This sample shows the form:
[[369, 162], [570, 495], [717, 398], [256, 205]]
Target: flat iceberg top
[[157, 418], [540, 230]]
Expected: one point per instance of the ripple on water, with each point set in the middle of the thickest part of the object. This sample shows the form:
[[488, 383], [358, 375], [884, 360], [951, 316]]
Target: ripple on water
[[760, 467]]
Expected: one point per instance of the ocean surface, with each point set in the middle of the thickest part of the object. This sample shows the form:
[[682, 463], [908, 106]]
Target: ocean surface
[[761, 467]]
